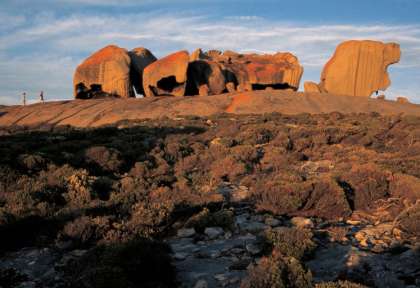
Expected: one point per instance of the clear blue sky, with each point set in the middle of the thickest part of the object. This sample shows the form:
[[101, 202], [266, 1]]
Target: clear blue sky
[[42, 41]]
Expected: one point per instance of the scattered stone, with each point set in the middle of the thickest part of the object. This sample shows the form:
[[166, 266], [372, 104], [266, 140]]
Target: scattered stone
[[253, 248], [253, 227], [273, 222], [213, 232], [180, 256], [302, 222], [186, 232], [201, 284], [221, 277], [353, 222], [241, 264]]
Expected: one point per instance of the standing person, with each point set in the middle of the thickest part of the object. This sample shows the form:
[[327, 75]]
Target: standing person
[[24, 98], [41, 96]]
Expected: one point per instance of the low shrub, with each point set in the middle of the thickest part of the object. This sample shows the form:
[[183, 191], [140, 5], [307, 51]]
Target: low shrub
[[222, 218], [291, 242], [107, 159], [278, 271], [339, 284]]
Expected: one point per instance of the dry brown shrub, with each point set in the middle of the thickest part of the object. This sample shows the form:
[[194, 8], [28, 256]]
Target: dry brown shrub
[[279, 196], [327, 200], [368, 183], [409, 222], [80, 192], [108, 159], [277, 271], [291, 242], [222, 218], [405, 186], [339, 284], [227, 169]]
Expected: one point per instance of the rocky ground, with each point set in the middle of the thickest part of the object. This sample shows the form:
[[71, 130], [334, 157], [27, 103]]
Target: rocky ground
[[269, 200], [95, 113], [366, 253]]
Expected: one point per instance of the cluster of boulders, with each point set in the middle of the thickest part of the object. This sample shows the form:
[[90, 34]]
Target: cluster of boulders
[[116, 71], [358, 68]]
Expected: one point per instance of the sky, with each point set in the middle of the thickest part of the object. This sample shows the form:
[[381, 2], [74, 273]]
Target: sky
[[43, 41]]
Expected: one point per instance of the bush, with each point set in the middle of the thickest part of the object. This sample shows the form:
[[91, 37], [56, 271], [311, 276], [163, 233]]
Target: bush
[[277, 271], [85, 231], [368, 183], [409, 222], [339, 284], [80, 192], [107, 159], [280, 197], [291, 242], [32, 162], [223, 218]]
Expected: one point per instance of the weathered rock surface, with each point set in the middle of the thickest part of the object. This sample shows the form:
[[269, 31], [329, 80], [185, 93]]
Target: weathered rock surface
[[258, 72], [359, 68], [167, 76], [311, 87], [94, 113], [140, 59], [107, 70], [205, 78]]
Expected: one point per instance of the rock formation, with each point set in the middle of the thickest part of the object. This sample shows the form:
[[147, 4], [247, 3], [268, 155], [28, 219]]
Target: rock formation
[[258, 72], [401, 99], [107, 70], [311, 87], [140, 59], [205, 78], [359, 68], [167, 76]]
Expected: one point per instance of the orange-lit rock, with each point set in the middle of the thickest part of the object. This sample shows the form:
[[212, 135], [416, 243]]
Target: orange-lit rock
[[167, 76], [359, 68], [258, 72], [401, 99], [311, 87], [107, 70], [140, 59]]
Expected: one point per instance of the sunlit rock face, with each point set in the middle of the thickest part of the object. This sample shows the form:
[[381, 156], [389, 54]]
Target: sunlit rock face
[[167, 76], [106, 71], [359, 68]]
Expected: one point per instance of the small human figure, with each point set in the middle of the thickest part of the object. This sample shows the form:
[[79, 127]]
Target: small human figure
[[41, 97], [24, 98]]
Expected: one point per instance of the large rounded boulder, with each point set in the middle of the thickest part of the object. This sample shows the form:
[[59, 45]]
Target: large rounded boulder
[[106, 71], [167, 76], [359, 68]]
